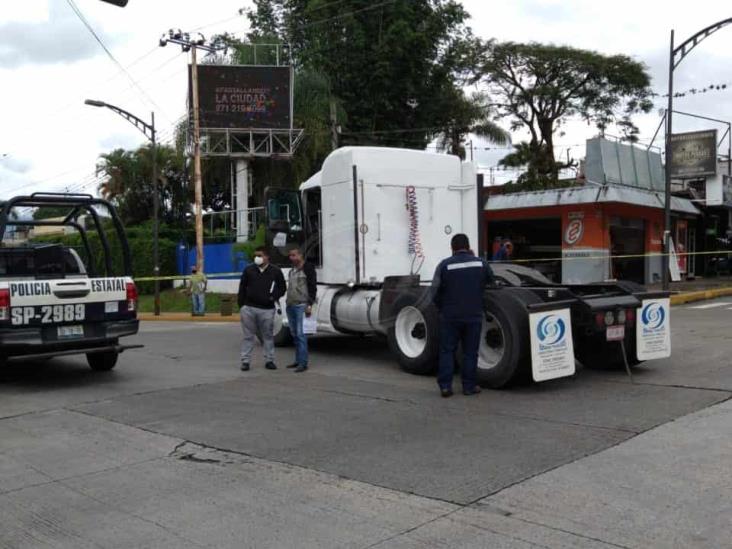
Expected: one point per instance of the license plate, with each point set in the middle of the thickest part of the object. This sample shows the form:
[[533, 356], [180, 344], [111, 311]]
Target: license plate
[[111, 307], [70, 332], [615, 333]]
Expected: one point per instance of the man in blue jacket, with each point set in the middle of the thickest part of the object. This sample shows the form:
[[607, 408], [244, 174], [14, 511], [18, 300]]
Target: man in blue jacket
[[457, 292]]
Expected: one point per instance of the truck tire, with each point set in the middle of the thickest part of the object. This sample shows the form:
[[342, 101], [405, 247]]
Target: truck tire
[[413, 336], [504, 356], [282, 337], [102, 362]]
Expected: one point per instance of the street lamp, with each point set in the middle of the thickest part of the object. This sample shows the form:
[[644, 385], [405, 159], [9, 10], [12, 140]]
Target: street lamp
[[676, 56], [149, 131]]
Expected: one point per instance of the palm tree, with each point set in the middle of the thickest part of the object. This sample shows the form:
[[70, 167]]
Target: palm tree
[[116, 166], [472, 116]]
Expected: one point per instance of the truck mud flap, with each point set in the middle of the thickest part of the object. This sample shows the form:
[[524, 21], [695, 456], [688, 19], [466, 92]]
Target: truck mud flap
[[551, 340]]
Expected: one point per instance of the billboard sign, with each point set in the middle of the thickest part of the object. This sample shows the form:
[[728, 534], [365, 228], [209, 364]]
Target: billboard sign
[[694, 154], [244, 97]]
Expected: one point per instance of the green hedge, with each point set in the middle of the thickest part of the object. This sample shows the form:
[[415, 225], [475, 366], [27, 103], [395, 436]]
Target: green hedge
[[141, 248]]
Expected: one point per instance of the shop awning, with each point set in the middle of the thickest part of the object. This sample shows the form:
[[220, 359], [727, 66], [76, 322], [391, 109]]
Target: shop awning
[[590, 193]]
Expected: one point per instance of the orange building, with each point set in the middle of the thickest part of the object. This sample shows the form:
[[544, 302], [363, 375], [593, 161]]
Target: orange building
[[589, 233]]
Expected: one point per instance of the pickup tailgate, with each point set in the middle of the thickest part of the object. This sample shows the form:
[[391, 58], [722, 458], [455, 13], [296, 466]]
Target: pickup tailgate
[[68, 301]]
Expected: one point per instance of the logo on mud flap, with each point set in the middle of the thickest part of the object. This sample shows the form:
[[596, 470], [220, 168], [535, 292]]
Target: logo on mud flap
[[653, 315], [551, 330]]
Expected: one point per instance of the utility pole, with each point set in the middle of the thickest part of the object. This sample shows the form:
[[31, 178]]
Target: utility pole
[[184, 40], [676, 56], [666, 262], [197, 185], [156, 217]]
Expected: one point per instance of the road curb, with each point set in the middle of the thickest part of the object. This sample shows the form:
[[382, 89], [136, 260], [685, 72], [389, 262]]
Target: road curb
[[186, 317], [701, 295]]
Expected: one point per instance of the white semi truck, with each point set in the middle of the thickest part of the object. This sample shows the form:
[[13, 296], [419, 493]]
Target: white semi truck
[[377, 221]]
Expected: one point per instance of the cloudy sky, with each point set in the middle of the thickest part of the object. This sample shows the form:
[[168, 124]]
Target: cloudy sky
[[50, 63]]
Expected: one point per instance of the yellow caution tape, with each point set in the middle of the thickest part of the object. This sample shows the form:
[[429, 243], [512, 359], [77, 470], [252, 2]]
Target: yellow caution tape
[[538, 260]]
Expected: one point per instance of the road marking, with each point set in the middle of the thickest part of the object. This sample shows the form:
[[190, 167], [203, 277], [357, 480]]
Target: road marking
[[711, 305]]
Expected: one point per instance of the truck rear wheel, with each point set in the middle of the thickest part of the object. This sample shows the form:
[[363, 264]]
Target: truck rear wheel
[[413, 336], [282, 336], [504, 356], [102, 362]]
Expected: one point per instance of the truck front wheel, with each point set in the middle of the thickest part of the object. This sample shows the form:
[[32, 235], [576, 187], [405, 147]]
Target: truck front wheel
[[413, 336], [102, 362]]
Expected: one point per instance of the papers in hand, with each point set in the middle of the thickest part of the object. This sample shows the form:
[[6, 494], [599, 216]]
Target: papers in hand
[[309, 324]]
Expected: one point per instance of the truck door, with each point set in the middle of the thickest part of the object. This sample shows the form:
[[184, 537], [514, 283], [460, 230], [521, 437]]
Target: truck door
[[284, 223]]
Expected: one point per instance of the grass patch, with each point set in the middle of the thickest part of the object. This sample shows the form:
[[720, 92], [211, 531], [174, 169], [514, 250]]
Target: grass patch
[[176, 301]]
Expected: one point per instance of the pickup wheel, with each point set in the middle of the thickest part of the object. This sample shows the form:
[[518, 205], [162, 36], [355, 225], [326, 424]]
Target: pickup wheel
[[504, 356], [413, 336], [102, 362]]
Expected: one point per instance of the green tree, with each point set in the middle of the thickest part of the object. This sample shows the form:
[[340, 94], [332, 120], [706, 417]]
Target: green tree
[[40, 214], [470, 116], [540, 87], [396, 67], [128, 183]]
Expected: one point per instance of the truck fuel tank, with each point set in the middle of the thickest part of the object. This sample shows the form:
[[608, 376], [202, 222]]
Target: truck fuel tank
[[357, 310]]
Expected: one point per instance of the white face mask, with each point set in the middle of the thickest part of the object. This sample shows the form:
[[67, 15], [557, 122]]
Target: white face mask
[[258, 261]]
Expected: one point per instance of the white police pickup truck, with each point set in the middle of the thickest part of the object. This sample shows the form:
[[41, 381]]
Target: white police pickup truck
[[52, 303]]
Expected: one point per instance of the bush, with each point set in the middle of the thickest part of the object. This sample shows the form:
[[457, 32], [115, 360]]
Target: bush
[[141, 247], [250, 246]]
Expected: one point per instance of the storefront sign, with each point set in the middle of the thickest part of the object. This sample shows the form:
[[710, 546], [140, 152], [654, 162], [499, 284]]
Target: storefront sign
[[575, 230], [552, 350], [694, 154], [653, 330]]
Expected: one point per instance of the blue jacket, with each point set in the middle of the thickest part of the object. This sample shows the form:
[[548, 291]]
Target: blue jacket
[[458, 284]]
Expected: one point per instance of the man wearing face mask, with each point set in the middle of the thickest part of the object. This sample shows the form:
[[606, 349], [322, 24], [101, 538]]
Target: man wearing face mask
[[260, 288]]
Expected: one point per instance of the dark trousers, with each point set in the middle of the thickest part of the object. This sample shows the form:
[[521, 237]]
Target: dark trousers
[[453, 332]]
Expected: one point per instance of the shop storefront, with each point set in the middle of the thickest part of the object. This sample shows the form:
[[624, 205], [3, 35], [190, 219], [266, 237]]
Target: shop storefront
[[590, 233]]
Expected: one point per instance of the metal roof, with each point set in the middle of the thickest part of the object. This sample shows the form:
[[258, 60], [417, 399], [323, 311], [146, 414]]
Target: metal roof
[[590, 193]]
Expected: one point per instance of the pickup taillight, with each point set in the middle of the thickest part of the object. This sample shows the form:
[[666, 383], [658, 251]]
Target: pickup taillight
[[131, 297], [4, 304]]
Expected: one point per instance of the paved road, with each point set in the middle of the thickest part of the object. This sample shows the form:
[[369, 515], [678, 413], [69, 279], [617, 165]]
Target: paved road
[[177, 448]]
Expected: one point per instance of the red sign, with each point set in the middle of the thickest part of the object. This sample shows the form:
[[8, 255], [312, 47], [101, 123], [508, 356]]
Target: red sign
[[575, 230]]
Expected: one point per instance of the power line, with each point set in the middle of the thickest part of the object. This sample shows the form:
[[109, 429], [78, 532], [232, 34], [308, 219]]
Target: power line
[[111, 56]]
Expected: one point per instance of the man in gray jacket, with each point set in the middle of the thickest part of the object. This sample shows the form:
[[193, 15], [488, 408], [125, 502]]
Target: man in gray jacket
[[301, 292]]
